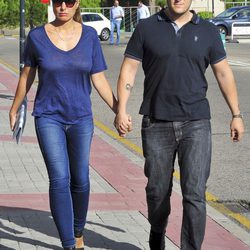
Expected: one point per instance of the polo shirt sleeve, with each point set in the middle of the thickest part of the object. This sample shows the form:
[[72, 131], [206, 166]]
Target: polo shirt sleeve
[[98, 60], [217, 52], [30, 58], [134, 48]]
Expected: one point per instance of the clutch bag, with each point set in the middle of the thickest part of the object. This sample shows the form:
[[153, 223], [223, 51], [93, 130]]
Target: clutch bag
[[20, 121]]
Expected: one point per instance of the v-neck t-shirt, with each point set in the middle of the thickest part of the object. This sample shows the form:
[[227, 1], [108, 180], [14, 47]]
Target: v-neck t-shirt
[[64, 87]]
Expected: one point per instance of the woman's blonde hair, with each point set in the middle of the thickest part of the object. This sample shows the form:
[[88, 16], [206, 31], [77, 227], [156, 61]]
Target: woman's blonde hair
[[77, 17]]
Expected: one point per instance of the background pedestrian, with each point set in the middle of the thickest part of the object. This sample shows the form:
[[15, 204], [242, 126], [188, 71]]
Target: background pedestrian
[[142, 11], [116, 16]]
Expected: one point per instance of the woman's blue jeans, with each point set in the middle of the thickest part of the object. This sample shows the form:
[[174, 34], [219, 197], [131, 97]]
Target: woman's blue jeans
[[66, 150], [191, 141]]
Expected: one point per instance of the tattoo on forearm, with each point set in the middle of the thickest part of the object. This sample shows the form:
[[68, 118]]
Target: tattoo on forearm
[[129, 87]]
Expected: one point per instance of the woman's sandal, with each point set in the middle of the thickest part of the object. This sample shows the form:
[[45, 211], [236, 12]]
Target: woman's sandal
[[79, 241]]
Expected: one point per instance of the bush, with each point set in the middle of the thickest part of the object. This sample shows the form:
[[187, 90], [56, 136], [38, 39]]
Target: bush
[[90, 3], [205, 14], [161, 3]]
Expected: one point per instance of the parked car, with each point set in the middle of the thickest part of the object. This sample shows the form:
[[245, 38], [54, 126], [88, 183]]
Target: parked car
[[99, 22], [225, 19]]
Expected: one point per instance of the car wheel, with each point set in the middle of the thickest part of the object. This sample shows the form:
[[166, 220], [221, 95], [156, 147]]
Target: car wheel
[[105, 33], [222, 29]]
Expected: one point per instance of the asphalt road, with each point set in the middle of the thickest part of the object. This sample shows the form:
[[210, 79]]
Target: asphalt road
[[230, 173]]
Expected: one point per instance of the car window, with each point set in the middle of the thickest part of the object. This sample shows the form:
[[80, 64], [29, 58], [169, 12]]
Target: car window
[[243, 14], [91, 17], [86, 18], [248, 13], [227, 13], [96, 17]]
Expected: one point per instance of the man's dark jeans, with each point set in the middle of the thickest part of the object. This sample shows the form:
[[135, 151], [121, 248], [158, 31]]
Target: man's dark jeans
[[191, 141]]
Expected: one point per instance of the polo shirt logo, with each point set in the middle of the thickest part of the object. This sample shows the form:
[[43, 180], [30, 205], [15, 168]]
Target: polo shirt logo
[[196, 38]]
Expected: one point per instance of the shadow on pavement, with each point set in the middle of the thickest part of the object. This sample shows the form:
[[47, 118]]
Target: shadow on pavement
[[26, 226], [5, 248], [10, 97]]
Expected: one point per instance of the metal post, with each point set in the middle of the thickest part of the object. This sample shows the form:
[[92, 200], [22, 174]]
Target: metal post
[[130, 21], [213, 7], [22, 35], [21, 45]]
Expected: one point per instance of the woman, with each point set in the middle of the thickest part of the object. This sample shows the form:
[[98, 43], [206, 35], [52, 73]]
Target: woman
[[68, 55]]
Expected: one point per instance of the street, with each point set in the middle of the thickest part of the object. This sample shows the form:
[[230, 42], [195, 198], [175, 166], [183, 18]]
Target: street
[[229, 183]]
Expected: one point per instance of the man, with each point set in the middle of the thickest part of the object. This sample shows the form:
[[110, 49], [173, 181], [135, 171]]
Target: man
[[142, 11], [116, 15], [175, 47]]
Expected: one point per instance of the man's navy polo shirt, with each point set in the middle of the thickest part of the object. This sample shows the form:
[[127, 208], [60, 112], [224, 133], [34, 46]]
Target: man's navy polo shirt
[[174, 64]]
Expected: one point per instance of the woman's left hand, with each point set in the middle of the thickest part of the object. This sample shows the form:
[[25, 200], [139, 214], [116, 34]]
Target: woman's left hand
[[12, 118]]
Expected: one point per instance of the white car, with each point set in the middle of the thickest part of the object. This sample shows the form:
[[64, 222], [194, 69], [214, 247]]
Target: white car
[[99, 22]]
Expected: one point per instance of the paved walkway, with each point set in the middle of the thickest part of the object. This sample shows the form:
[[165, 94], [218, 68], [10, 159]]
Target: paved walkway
[[117, 214]]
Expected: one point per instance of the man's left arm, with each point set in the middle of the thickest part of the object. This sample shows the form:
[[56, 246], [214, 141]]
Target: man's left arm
[[226, 81]]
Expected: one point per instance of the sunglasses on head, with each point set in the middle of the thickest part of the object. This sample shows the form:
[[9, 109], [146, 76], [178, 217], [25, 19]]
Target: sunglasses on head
[[68, 3]]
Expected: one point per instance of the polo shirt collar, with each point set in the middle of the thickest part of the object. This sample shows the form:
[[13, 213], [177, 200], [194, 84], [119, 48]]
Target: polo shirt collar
[[161, 16]]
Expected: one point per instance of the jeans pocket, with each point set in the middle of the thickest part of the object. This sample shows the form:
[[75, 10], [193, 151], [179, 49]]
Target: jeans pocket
[[146, 122]]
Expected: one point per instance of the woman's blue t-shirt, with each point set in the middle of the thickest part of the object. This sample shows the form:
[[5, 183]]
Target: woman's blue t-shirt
[[64, 87]]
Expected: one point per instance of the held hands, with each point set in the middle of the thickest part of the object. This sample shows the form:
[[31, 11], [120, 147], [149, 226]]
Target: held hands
[[237, 129], [123, 124]]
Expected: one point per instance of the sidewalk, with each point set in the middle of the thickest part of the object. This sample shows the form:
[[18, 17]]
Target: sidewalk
[[117, 214]]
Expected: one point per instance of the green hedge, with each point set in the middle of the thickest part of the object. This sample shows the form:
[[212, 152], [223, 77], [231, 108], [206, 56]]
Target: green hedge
[[205, 14]]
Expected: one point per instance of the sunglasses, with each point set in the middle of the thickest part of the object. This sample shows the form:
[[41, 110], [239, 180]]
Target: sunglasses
[[68, 3]]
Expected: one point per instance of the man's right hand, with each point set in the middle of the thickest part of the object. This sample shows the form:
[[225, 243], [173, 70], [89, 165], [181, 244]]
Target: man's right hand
[[123, 124]]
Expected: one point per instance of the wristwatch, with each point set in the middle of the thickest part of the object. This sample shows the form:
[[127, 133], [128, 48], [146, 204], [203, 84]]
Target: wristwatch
[[238, 116]]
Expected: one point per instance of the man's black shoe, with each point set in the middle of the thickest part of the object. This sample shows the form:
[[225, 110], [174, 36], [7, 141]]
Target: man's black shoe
[[156, 240]]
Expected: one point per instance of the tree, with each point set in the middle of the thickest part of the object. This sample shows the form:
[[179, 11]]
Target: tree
[[9, 14], [36, 13], [3, 11]]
